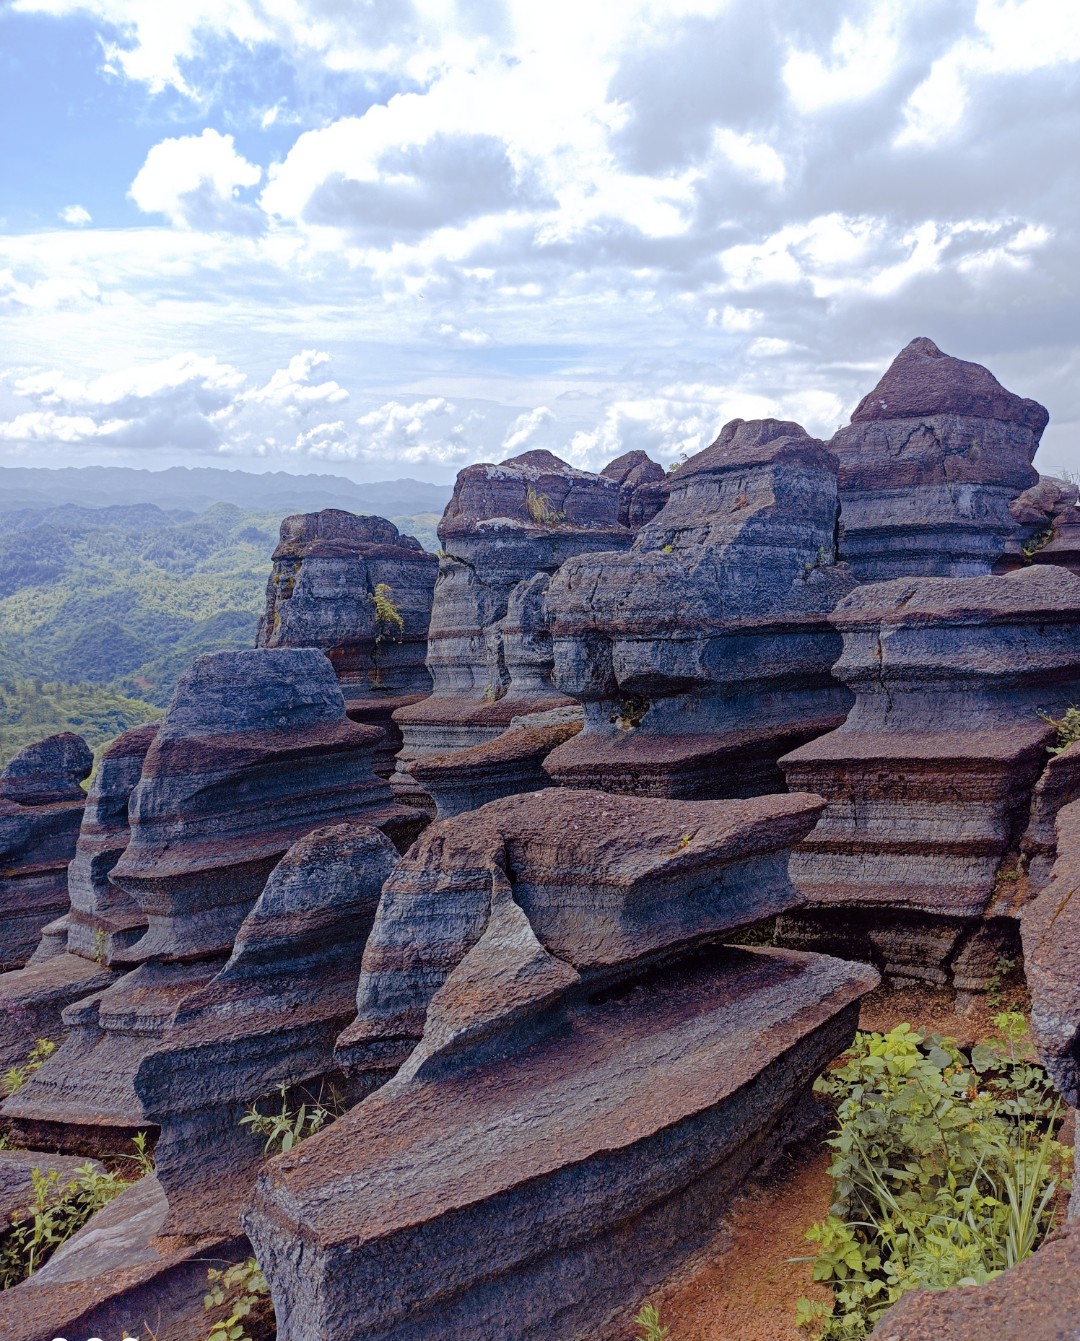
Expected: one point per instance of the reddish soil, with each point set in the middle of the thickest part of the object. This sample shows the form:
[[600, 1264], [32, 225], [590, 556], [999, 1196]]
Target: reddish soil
[[746, 1288]]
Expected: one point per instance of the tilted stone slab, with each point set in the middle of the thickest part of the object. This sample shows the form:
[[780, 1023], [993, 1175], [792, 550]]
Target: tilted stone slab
[[703, 654], [929, 465], [930, 779], [556, 1186]]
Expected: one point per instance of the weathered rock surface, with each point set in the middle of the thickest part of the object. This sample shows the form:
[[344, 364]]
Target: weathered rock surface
[[1038, 1300], [269, 1018], [559, 1182], [703, 654], [929, 465], [322, 593], [930, 779], [254, 752], [1037, 514], [506, 529], [74, 953], [642, 485], [1058, 787], [41, 806], [609, 884]]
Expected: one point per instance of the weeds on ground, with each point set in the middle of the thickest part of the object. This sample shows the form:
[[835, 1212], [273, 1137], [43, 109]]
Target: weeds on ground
[[945, 1170], [243, 1287], [648, 1320], [60, 1206], [15, 1077]]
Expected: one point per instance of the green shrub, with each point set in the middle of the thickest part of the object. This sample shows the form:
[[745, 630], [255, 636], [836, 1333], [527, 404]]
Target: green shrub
[[15, 1077], [1067, 727], [289, 1126], [652, 1329], [243, 1287], [945, 1170]]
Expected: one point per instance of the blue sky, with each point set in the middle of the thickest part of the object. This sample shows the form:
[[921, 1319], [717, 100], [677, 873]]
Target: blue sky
[[384, 239]]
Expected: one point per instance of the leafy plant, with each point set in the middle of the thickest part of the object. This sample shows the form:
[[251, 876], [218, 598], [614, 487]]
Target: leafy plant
[[388, 621], [652, 1329], [1037, 543], [288, 1126], [244, 1289], [15, 1077], [540, 509], [1067, 727], [945, 1170]]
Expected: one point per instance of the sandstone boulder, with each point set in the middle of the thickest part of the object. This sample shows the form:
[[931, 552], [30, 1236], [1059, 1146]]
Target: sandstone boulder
[[361, 591], [41, 807], [506, 529], [704, 653], [929, 465], [914, 864]]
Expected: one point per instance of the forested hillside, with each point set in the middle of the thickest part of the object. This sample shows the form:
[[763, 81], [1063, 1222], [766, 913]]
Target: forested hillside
[[102, 609]]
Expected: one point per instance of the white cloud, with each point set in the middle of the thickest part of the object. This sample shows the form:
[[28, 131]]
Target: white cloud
[[195, 182], [525, 428], [75, 214]]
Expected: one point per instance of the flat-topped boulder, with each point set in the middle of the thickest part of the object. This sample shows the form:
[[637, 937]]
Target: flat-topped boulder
[[254, 751], [929, 465], [506, 529], [41, 807], [593, 1073], [608, 884], [361, 591], [703, 653], [930, 780]]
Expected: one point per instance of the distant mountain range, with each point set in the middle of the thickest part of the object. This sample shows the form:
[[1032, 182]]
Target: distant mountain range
[[199, 487]]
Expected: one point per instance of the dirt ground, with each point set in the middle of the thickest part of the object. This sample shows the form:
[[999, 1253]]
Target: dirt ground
[[746, 1288]]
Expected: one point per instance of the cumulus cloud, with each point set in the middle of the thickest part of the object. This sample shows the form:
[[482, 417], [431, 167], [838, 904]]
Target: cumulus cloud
[[195, 181], [75, 214]]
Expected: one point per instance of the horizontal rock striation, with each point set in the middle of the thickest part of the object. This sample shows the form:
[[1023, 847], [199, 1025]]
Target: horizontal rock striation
[[703, 654], [506, 529], [929, 782], [41, 807], [361, 591], [593, 1074], [929, 465]]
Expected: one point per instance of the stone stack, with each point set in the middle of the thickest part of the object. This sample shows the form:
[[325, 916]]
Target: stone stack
[[915, 864], [73, 956], [506, 529], [327, 569], [703, 654], [41, 807], [929, 465], [253, 753], [585, 1074]]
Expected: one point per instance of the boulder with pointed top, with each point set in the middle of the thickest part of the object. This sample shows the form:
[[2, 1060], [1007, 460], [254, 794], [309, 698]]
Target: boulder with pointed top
[[931, 462], [703, 653]]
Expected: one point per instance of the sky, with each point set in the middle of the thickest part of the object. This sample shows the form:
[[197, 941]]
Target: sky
[[387, 238]]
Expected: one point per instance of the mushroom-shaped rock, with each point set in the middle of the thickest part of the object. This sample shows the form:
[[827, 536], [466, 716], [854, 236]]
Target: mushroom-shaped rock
[[703, 654], [929, 465]]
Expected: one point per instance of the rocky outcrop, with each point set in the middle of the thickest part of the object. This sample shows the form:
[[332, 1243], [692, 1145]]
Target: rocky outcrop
[[930, 780], [254, 752], [703, 654], [507, 528], [73, 956], [929, 465], [361, 591], [41, 807], [642, 488], [588, 1074], [1037, 514]]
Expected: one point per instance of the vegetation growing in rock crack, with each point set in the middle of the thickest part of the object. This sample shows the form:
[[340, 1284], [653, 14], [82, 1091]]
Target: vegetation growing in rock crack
[[244, 1289], [946, 1170], [15, 1077], [651, 1328], [60, 1206], [388, 623], [1067, 727], [540, 509], [289, 1126]]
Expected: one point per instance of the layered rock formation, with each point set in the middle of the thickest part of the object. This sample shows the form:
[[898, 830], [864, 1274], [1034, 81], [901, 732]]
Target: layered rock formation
[[929, 466], [254, 752], [361, 591], [703, 654], [41, 807], [588, 1074], [1037, 514], [930, 779], [506, 529]]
